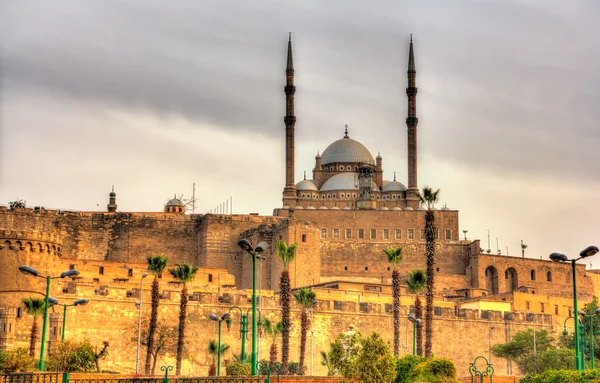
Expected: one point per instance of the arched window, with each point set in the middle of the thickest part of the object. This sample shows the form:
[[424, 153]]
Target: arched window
[[549, 276], [533, 275], [348, 168]]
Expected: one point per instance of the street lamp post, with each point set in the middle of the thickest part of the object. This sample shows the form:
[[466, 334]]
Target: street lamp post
[[79, 302], [33, 272], [139, 340], [223, 317], [590, 319], [255, 252], [312, 305], [490, 343], [243, 330], [415, 322], [530, 315], [558, 257]]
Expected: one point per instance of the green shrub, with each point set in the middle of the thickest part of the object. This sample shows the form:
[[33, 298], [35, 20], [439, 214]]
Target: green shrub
[[564, 376], [405, 368], [436, 370], [71, 356], [294, 369], [17, 360], [238, 369]]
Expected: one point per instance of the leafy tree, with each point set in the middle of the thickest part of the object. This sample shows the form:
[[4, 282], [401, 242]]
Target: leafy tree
[[17, 360], [416, 282], [363, 360], [156, 265], [304, 297], [405, 368], [429, 198], [214, 351], [238, 368], [286, 255], [272, 330], [71, 356], [520, 349], [165, 339], [394, 256], [100, 354], [183, 273], [34, 307]]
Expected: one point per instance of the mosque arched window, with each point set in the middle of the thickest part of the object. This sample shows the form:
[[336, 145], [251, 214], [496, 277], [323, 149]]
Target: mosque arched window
[[349, 168]]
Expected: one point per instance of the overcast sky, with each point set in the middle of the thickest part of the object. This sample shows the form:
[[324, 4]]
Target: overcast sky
[[152, 96]]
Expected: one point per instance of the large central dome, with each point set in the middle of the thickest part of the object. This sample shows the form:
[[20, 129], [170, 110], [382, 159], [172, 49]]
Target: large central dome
[[347, 150]]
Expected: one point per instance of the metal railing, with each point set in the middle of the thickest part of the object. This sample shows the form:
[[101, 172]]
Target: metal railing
[[28, 377]]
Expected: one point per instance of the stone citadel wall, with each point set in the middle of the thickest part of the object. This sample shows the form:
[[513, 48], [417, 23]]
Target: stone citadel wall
[[460, 334]]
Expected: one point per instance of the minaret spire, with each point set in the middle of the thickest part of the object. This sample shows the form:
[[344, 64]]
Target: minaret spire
[[289, 192], [411, 124]]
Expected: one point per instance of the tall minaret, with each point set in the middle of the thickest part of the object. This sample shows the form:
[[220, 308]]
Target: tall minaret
[[411, 123], [289, 192]]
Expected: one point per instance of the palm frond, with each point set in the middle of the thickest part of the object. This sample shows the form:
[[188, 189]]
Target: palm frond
[[394, 255], [157, 264], [305, 297], [34, 306], [184, 272], [416, 281], [286, 253]]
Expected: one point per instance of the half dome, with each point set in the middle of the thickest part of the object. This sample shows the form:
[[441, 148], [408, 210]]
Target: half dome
[[306, 185], [393, 186], [347, 150], [344, 181]]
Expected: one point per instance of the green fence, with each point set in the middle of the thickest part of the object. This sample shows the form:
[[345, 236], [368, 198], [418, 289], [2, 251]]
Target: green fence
[[65, 378], [47, 377]]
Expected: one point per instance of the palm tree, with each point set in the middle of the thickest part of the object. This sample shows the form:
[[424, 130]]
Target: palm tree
[[326, 361], [523, 247], [304, 297], [429, 198], [286, 255], [416, 282], [272, 330], [183, 273], [214, 352], [156, 265], [394, 256], [35, 307]]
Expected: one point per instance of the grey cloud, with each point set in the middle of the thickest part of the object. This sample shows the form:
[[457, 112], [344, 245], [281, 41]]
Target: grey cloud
[[508, 85]]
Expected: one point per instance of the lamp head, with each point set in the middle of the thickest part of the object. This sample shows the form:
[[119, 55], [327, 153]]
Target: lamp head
[[558, 257], [144, 275], [588, 251], [214, 317], [137, 304], [581, 312], [225, 316], [245, 245], [261, 247], [80, 302], [493, 328], [411, 317], [314, 302], [53, 301], [597, 312], [28, 270], [418, 321], [565, 333], [69, 273]]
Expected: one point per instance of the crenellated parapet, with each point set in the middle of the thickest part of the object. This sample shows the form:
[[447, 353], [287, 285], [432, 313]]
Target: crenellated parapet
[[32, 241]]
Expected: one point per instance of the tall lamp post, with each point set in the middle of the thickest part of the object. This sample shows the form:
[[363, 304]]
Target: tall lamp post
[[33, 272], [255, 252], [223, 317], [492, 328], [243, 329], [590, 319], [312, 335], [79, 302], [558, 257], [139, 340], [415, 322]]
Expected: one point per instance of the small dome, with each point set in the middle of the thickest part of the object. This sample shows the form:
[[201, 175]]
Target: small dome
[[384, 183], [174, 202], [306, 185], [310, 208], [322, 208], [347, 208], [344, 181], [335, 208], [397, 208], [408, 208], [393, 186], [299, 207], [384, 208], [347, 150]]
